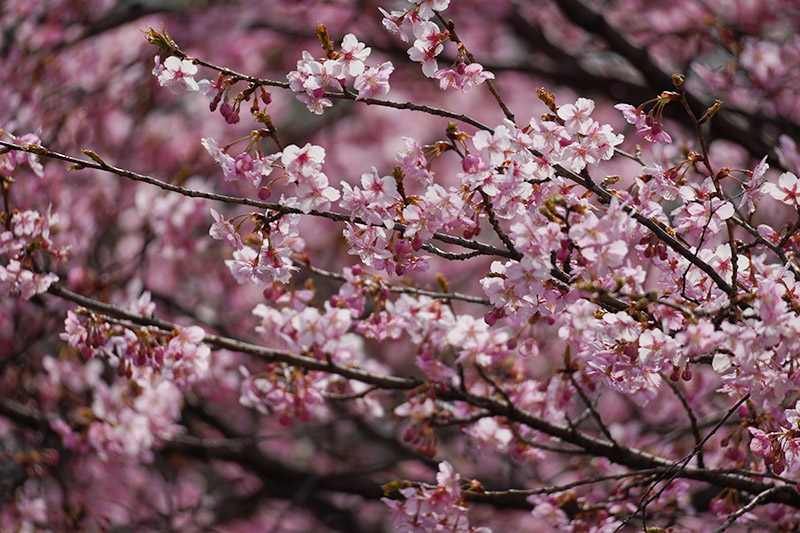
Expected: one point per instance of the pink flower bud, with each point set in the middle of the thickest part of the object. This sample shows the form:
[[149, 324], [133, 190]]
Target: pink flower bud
[[471, 164]]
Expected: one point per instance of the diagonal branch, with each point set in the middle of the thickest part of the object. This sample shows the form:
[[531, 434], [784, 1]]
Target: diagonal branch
[[594, 22]]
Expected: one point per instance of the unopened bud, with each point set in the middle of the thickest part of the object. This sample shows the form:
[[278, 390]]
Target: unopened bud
[[325, 40], [711, 111]]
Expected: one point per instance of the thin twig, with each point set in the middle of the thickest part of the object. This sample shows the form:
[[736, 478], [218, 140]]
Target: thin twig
[[451, 28], [381, 380], [747, 508], [487, 206], [478, 247], [592, 410], [678, 470], [692, 419]]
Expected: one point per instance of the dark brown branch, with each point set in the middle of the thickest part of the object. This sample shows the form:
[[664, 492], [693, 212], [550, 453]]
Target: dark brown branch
[[692, 419], [745, 509], [629, 457], [346, 95], [489, 208], [267, 354], [404, 290], [192, 193], [594, 22], [590, 406]]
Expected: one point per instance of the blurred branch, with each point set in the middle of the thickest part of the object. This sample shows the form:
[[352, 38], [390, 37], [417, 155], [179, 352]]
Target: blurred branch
[[403, 290], [721, 126]]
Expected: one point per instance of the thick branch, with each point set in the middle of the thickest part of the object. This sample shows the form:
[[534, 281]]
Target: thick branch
[[629, 457]]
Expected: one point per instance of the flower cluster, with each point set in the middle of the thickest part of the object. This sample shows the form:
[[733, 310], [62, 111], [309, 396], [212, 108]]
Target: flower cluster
[[574, 139], [249, 166], [415, 25], [311, 332], [29, 232], [647, 126], [180, 357], [313, 78], [142, 406], [780, 448], [26, 234], [463, 77], [127, 419], [433, 508], [285, 392]]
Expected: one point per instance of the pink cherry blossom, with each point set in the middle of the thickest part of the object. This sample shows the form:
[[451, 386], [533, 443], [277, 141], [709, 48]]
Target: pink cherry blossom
[[463, 77], [427, 7], [176, 74], [374, 81], [754, 189], [223, 230], [426, 47], [354, 54], [576, 116], [306, 161], [785, 191], [647, 127]]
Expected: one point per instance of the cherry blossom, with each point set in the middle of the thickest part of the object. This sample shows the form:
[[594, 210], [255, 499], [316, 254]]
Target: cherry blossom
[[463, 77], [374, 202], [427, 7], [576, 116], [176, 74], [647, 127], [374, 81], [433, 508], [243, 167], [306, 161], [426, 47], [786, 189], [354, 54], [11, 160], [223, 230]]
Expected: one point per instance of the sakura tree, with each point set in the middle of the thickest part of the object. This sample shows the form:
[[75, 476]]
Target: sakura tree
[[411, 266]]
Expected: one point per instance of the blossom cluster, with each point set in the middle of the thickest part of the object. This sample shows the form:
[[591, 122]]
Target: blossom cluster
[[779, 448], [313, 78], [30, 231], [26, 234], [415, 25], [142, 406], [126, 421], [435, 508]]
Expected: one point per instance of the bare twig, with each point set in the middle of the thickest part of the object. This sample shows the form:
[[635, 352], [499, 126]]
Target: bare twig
[[404, 290], [590, 406], [746, 509]]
